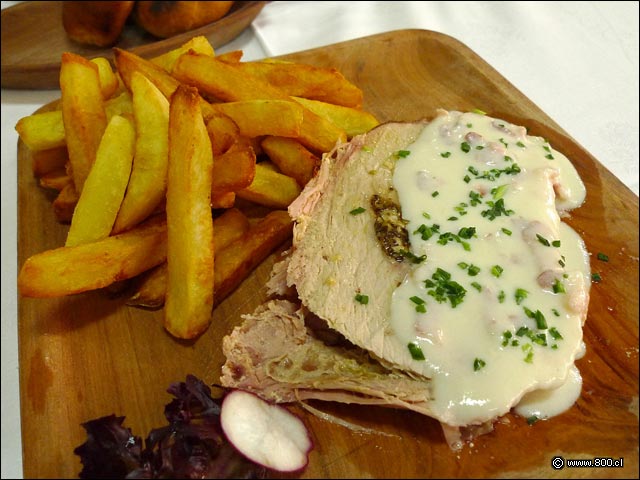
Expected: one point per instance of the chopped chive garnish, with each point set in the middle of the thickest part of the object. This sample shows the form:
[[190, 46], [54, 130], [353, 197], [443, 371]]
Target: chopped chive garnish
[[415, 351], [478, 111], [499, 192], [467, 179], [357, 211], [465, 147], [467, 232], [362, 299], [435, 194], [602, 257], [520, 295], [556, 243], [532, 419], [555, 312], [403, 153], [496, 271], [501, 296], [558, 287], [520, 144], [477, 286], [473, 270], [543, 240], [506, 231], [478, 364], [445, 154], [548, 156], [596, 278], [555, 334]]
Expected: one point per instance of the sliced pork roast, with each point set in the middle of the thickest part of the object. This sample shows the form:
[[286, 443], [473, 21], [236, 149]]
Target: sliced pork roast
[[434, 303]]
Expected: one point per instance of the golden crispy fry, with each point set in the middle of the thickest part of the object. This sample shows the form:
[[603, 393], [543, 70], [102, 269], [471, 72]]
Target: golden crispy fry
[[223, 132], [148, 182], [45, 161], [45, 131], [292, 158], [109, 83], [271, 189], [189, 299], [244, 249], [199, 44], [105, 186], [127, 63], [228, 83], [233, 56], [256, 118], [69, 270], [234, 170], [300, 80], [235, 262], [55, 179], [351, 120], [121, 104], [65, 203], [150, 289], [223, 199], [42, 131], [83, 113]]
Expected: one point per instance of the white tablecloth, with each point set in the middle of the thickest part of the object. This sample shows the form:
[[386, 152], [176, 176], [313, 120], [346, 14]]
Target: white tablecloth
[[578, 61]]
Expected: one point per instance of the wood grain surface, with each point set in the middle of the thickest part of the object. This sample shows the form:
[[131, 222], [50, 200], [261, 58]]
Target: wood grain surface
[[89, 355], [33, 40]]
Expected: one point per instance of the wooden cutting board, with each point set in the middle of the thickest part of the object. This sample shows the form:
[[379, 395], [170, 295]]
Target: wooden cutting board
[[89, 355], [33, 40]]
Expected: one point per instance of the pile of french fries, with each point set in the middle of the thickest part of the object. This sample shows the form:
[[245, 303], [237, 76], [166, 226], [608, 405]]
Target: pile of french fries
[[153, 162]]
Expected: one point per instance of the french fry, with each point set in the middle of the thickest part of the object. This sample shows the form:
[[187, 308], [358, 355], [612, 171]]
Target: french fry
[[228, 83], [45, 161], [150, 289], [271, 189], [234, 56], [127, 63], [236, 261], [105, 186], [244, 248], [70, 270], [199, 44], [121, 104], [291, 157], [300, 80], [55, 179], [189, 299], [148, 182], [223, 132], [109, 83], [223, 199], [83, 113], [42, 131], [65, 203], [45, 130], [256, 118], [233, 170], [353, 121]]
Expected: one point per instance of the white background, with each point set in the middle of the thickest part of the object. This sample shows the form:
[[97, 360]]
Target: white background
[[578, 61]]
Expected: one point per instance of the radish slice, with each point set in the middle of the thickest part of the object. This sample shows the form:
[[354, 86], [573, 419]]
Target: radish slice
[[265, 433]]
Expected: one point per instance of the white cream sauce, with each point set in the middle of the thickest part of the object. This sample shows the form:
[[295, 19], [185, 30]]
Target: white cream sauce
[[485, 347]]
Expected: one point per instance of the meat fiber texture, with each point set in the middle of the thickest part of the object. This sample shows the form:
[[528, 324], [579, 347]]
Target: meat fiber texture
[[336, 254], [274, 354]]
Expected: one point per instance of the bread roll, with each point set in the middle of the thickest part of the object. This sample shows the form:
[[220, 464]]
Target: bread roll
[[95, 23], [165, 19]]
